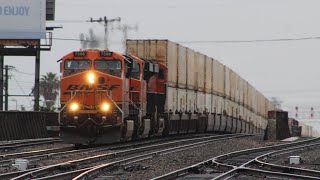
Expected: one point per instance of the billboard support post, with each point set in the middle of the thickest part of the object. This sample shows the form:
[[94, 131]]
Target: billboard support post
[[37, 81], [6, 87], [1, 82]]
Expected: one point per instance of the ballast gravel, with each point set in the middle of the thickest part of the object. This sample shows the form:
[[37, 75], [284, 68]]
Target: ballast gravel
[[310, 159], [164, 164]]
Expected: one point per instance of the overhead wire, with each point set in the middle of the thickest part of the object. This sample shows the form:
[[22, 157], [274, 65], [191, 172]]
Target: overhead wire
[[70, 21], [24, 93], [254, 40], [220, 41], [293, 91], [30, 74]]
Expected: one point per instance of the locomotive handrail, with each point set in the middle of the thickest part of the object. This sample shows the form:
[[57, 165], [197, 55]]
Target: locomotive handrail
[[72, 96], [114, 103], [134, 105]]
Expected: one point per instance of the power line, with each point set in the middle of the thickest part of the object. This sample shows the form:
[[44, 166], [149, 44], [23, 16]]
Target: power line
[[30, 74], [222, 41], [26, 82], [253, 41], [293, 91], [71, 39], [24, 93], [70, 21]]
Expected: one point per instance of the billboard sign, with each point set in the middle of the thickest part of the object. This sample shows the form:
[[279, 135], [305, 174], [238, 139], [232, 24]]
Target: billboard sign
[[19, 42], [50, 9], [22, 19]]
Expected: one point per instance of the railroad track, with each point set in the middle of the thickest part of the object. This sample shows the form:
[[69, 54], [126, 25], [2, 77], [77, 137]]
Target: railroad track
[[73, 168], [97, 170], [23, 143], [260, 164], [246, 164], [7, 159]]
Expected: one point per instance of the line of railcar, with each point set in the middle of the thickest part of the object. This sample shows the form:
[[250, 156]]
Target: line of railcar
[[158, 88]]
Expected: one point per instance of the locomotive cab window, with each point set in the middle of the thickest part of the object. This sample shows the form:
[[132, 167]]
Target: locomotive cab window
[[112, 67], [135, 73], [76, 66]]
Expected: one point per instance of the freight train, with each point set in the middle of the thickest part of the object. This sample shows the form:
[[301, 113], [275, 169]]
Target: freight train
[[159, 88]]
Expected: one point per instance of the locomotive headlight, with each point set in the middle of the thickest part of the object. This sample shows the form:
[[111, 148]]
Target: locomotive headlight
[[74, 106], [105, 107], [91, 78]]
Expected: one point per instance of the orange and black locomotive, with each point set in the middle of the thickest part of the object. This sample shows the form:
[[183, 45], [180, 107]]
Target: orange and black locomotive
[[104, 97]]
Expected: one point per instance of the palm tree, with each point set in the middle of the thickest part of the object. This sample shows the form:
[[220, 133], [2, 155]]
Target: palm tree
[[49, 88]]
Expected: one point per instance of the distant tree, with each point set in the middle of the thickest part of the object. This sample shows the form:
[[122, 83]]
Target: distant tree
[[22, 108], [46, 109], [49, 89]]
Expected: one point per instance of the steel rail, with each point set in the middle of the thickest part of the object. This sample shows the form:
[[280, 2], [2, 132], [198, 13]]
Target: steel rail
[[11, 175], [286, 169], [46, 169], [7, 159], [66, 175], [22, 141], [36, 152], [116, 147], [218, 161], [259, 172], [98, 169], [30, 142], [306, 173]]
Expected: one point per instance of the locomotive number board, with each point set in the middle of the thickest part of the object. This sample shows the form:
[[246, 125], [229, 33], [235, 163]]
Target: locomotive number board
[[105, 54], [79, 54]]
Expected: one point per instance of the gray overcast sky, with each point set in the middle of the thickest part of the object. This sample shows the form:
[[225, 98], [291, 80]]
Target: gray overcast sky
[[288, 70]]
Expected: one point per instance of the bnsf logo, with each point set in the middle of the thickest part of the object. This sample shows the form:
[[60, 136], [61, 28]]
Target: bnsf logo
[[73, 87]]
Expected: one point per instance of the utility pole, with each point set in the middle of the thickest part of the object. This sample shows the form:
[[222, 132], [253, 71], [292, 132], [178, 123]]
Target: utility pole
[[37, 82], [125, 28], [1, 82], [6, 87], [106, 22]]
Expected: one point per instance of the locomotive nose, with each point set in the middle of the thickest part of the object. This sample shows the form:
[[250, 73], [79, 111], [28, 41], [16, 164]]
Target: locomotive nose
[[102, 80]]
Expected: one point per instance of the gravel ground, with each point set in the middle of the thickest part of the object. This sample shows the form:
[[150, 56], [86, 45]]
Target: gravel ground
[[96, 151], [27, 149], [164, 164], [84, 154], [310, 159]]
